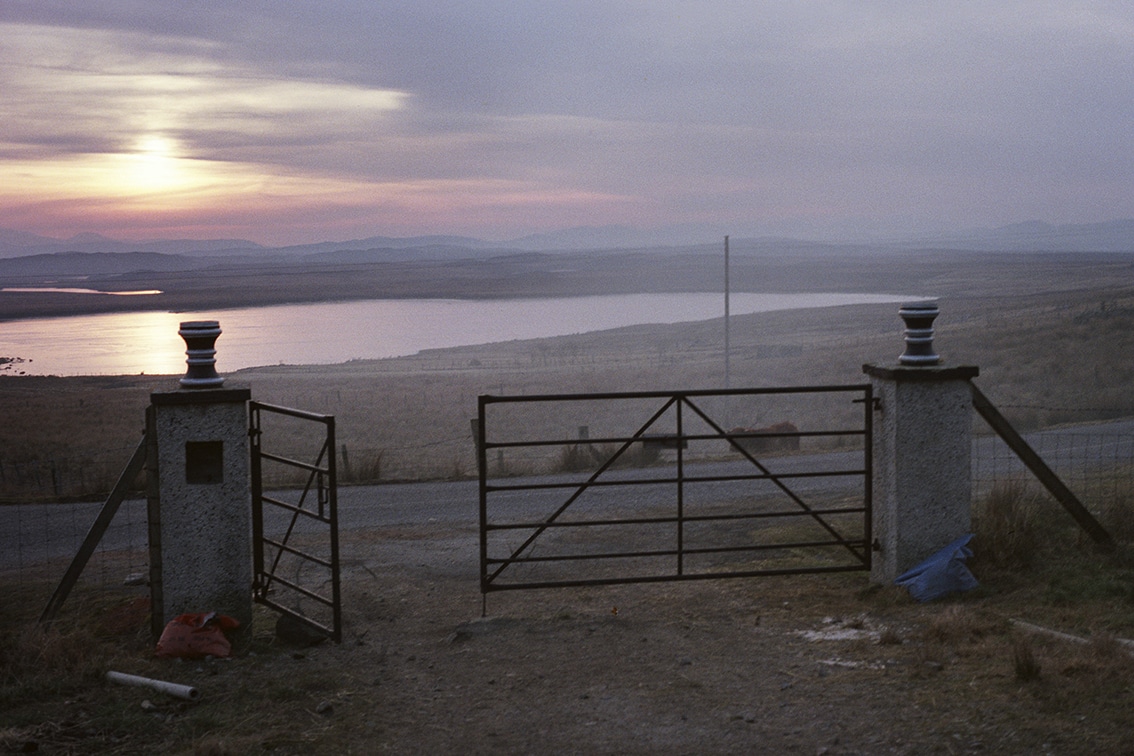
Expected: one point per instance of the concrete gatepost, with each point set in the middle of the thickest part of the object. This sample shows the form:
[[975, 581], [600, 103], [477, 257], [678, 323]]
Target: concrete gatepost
[[199, 491], [922, 446]]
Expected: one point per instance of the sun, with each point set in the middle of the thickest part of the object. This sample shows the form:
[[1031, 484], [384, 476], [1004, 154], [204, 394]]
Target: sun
[[154, 165]]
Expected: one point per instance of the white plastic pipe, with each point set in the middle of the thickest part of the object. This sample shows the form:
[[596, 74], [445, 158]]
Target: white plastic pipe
[[1125, 644], [173, 689]]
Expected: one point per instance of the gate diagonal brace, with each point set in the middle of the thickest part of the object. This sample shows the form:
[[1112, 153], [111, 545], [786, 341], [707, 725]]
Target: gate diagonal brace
[[777, 481], [581, 490]]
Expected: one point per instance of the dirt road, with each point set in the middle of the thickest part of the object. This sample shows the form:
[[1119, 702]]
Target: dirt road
[[776, 665]]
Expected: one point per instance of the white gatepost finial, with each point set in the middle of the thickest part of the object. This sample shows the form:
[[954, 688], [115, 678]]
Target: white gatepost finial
[[200, 340], [919, 317]]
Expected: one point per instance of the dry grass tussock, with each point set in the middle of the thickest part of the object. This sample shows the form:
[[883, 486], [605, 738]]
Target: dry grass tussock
[[71, 653], [1004, 522], [958, 624]]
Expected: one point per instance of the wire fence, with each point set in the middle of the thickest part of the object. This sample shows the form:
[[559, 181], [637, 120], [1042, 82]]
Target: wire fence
[[1096, 462], [91, 477], [64, 478], [40, 531], [39, 540]]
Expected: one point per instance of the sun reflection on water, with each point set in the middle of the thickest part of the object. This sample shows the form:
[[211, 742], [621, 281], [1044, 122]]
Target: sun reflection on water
[[111, 344], [69, 290]]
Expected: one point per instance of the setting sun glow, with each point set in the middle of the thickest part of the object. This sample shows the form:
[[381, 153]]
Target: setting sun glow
[[154, 166]]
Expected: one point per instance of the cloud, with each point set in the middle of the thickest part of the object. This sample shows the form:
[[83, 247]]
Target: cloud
[[766, 114], [107, 89]]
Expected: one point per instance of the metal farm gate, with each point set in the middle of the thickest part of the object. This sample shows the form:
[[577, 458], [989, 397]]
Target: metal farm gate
[[295, 531], [670, 489]]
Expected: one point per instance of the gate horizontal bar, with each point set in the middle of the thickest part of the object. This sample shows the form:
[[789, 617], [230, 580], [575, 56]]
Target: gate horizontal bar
[[672, 519], [695, 393], [298, 510], [668, 438], [292, 462], [292, 412], [857, 542], [669, 481], [582, 583], [297, 552]]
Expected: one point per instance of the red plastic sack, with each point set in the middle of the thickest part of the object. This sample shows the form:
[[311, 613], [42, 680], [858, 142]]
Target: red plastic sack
[[195, 636]]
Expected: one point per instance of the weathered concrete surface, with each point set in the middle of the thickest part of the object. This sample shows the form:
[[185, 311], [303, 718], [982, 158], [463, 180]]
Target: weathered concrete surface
[[202, 559], [922, 463]]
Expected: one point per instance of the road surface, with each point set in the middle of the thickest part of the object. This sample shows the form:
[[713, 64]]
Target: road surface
[[32, 534]]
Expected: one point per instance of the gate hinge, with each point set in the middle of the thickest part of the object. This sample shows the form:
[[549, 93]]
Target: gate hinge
[[875, 402]]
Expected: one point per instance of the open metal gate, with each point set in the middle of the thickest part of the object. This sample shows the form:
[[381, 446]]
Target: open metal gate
[[668, 490], [295, 531]]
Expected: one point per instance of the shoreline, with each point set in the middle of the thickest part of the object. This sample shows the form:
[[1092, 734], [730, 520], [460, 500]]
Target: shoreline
[[644, 310], [407, 418], [953, 273]]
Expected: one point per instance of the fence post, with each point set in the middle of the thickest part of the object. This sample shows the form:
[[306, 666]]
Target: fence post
[[922, 446], [346, 464]]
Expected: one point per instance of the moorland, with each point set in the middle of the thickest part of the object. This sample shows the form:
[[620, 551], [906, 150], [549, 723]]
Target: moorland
[[1050, 333], [816, 664]]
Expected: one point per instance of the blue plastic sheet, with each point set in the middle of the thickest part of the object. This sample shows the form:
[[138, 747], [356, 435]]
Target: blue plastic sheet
[[941, 574]]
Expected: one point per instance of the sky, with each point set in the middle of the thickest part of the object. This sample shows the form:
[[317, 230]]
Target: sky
[[293, 122]]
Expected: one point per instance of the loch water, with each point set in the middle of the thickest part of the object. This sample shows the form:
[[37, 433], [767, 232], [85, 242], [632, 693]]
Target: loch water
[[334, 332]]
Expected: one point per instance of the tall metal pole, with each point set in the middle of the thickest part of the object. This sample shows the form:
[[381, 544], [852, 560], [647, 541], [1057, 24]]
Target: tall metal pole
[[726, 313]]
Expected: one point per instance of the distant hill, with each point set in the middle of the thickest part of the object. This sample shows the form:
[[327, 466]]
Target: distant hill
[[10, 239], [1031, 236], [20, 244], [74, 265], [186, 254], [392, 242], [584, 238], [1037, 236]]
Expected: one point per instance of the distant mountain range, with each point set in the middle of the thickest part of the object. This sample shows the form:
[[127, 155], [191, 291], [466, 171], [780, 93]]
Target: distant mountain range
[[175, 254], [21, 244], [1037, 236]]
